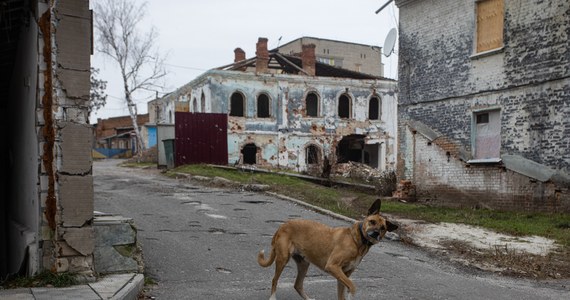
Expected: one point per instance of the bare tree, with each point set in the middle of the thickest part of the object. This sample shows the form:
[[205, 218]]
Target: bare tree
[[136, 54], [97, 93]]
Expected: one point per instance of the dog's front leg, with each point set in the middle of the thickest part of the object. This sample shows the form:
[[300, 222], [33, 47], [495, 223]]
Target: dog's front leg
[[340, 289], [336, 272]]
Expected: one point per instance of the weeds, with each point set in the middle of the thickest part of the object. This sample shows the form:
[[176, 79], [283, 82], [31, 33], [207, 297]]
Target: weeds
[[45, 278]]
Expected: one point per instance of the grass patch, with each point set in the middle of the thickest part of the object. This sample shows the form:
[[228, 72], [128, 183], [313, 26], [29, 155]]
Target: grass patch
[[354, 203], [549, 225], [43, 279]]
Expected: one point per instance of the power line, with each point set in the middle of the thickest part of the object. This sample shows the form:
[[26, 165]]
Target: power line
[[185, 67]]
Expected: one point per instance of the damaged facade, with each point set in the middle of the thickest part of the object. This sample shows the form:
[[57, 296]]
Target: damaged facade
[[293, 112], [484, 106], [46, 211]]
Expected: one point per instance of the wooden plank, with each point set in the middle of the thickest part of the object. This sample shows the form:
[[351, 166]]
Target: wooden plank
[[490, 20]]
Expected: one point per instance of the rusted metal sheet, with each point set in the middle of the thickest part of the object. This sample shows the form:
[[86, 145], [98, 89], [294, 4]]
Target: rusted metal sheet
[[201, 138]]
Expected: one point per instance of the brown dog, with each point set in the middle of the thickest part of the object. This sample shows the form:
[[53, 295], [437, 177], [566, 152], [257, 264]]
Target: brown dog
[[337, 251]]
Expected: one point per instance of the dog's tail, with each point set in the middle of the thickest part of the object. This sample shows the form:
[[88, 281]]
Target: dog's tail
[[266, 262], [261, 255]]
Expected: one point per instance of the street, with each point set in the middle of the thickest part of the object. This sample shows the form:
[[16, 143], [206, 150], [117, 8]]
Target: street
[[202, 243]]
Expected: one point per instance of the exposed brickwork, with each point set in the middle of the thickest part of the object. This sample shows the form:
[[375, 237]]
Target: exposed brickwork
[[443, 83]]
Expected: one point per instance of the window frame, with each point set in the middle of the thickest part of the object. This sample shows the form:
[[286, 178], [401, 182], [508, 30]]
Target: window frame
[[318, 102], [269, 115], [476, 33], [244, 104]]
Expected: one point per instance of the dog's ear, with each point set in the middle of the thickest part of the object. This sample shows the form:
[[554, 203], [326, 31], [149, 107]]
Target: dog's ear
[[375, 207], [391, 226]]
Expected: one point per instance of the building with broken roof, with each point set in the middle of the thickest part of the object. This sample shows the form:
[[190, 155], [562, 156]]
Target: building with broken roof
[[288, 111]]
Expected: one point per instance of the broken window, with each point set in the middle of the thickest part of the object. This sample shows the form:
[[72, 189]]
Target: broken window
[[312, 104], [194, 105], [374, 108], [249, 153], [237, 105], [312, 154], [487, 134], [490, 18], [263, 106], [203, 102], [344, 107]]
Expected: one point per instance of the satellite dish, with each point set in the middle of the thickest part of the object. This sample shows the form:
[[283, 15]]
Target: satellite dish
[[390, 42]]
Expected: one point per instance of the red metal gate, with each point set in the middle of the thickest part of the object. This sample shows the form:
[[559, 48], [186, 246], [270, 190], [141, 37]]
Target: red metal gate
[[201, 138]]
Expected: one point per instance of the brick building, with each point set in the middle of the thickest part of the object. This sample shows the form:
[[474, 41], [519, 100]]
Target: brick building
[[118, 133], [484, 106]]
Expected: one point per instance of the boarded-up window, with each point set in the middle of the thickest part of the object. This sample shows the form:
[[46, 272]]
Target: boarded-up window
[[236, 105], [374, 109], [312, 104], [344, 108], [490, 15], [263, 106]]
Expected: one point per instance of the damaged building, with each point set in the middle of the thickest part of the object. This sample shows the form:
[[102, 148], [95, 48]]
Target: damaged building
[[484, 106], [46, 207], [286, 111]]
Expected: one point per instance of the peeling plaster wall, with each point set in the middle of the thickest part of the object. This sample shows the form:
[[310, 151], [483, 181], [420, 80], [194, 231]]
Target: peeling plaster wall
[[67, 182], [282, 138]]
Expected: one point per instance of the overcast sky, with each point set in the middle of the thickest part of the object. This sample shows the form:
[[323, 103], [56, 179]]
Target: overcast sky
[[199, 35]]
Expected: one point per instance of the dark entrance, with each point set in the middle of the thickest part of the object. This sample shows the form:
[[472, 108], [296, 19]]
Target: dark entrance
[[351, 148], [249, 153]]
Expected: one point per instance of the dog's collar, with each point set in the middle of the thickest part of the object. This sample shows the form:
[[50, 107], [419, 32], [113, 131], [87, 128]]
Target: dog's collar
[[365, 240]]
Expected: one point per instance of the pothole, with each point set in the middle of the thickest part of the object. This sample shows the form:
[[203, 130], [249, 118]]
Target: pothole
[[223, 270], [274, 221], [216, 231], [255, 201]]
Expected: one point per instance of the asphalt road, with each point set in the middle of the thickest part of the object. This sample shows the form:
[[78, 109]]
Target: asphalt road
[[202, 243]]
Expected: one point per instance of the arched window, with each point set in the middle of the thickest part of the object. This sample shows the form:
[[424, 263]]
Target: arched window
[[237, 105], [344, 106], [203, 102], [312, 104], [312, 154], [263, 106], [374, 109]]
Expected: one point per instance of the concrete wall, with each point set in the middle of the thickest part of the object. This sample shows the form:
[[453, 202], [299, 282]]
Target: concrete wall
[[444, 82], [352, 56]]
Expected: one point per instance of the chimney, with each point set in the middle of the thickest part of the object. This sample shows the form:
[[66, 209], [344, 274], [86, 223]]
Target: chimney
[[308, 58], [262, 63], [239, 55]]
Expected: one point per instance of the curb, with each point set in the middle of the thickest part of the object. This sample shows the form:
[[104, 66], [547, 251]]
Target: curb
[[131, 289]]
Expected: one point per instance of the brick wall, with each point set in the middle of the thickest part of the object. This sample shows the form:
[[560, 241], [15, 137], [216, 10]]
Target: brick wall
[[443, 82], [441, 178]]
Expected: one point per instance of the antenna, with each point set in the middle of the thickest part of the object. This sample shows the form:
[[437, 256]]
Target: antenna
[[390, 42]]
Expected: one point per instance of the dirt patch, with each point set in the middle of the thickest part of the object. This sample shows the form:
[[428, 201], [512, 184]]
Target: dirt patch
[[530, 256]]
